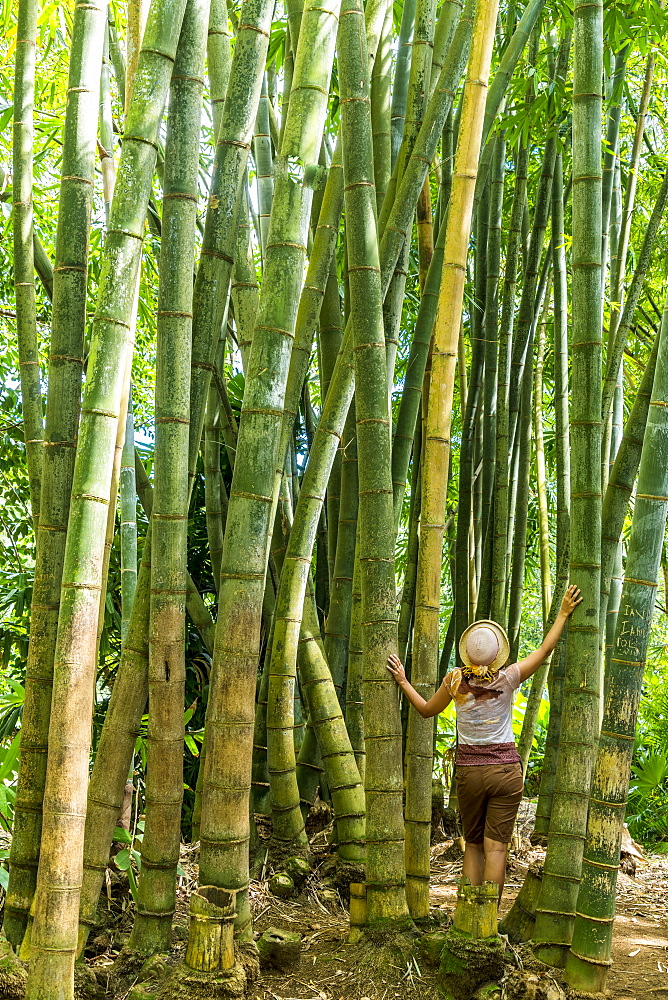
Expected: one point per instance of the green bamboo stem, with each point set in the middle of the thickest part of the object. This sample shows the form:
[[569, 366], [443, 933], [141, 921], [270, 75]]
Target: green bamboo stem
[[210, 297], [556, 680], [245, 287], [419, 78], [335, 749], [490, 331], [407, 607], [464, 574], [589, 960], [107, 162], [54, 930], [612, 144], [62, 415], [355, 677], [218, 59], [128, 516], [435, 460], [446, 23], [225, 820], [407, 418], [263, 163], [117, 57], [617, 579], [43, 266], [616, 348], [156, 900], [619, 265], [114, 753], [622, 476], [526, 311], [499, 85], [24, 267], [519, 545], [216, 506], [330, 333], [288, 825], [506, 323], [381, 107], [396, 216], [337, 628], [555, 912], [401, 75], [385, 864], [541, 476]]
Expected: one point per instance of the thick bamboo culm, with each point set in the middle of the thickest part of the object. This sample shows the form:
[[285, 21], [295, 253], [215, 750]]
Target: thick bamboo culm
[[54, 931], [156, 899], [50, 468], [555, 913], [436, 457]]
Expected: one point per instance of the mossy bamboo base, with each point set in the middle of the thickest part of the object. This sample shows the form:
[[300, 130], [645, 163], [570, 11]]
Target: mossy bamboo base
[[468, 962]]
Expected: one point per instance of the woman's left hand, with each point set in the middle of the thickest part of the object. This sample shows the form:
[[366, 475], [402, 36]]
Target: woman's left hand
[[572, 598], [395, 666]]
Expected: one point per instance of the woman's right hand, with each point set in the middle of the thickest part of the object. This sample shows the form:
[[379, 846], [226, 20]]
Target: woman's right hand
[[395, 666]]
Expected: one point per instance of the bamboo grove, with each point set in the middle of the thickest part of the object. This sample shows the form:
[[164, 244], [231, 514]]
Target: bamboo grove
[[381, 288]]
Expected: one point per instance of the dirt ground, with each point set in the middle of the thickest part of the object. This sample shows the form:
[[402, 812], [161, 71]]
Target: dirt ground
[[332, 969]]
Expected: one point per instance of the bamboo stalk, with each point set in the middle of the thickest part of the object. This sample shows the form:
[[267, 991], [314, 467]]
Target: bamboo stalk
[[589, 960], [62, 414], [384, 839], [436, 456], [54, 931], [225, 821], [156, 900], [555, 912], [24, 267]]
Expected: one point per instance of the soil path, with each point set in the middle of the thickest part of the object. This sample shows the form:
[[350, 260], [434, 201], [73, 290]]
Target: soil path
[[331, 971]]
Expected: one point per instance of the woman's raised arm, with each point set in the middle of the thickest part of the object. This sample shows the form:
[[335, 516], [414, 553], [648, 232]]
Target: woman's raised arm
[[427, 709]]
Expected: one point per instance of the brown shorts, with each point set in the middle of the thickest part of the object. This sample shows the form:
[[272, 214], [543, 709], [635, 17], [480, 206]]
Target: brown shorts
[[489, 796]]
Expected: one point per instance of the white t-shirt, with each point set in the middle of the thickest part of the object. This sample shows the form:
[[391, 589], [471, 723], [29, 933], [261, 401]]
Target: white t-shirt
[[484, 708]]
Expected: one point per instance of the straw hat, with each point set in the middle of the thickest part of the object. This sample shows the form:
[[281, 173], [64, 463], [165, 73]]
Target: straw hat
[[484, 649]]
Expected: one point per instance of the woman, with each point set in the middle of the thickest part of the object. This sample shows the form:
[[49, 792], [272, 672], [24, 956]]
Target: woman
[[488, 766]]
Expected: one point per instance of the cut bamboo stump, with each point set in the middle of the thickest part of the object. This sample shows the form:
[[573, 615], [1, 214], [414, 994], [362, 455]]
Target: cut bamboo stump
[[477, 909], [211, 939], [358, 911], [280, 949], [473, 951], [281, 885]]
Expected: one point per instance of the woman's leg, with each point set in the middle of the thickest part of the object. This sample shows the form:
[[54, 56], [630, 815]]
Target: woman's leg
[[505, 785], [474, 863], [472, 807], [494, 869]]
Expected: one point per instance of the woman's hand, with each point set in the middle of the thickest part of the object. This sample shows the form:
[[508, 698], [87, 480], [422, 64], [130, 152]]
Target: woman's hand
[[572, 598], [395, 666]]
